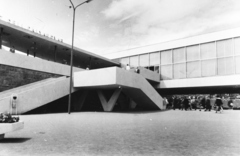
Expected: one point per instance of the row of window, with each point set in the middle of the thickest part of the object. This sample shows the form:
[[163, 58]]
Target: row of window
[[208, 59]]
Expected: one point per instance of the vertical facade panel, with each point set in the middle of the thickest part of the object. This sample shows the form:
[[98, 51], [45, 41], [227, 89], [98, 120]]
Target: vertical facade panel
[[193, 53], [179, 70], [194, 69], [208, 51], [134, 61], [144, 60], [209, 67], [179, 55], [166, 72]]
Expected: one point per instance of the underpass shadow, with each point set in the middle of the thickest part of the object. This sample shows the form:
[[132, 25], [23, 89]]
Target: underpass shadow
[[140, 111], [14, 140]]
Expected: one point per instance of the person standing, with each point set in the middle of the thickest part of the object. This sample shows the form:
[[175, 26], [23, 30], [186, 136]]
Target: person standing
[[219, 104], [202, 103], [208, 104], [127, 67], [165, 102]]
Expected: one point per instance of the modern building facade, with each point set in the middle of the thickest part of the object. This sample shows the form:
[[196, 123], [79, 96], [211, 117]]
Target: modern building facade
[[202, 64], [208, 60]]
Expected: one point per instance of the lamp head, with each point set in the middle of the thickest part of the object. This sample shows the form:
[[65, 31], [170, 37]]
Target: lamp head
[[87, 1]]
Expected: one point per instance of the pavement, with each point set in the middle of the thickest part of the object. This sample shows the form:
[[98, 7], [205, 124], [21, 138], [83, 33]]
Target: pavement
[[160, 133]]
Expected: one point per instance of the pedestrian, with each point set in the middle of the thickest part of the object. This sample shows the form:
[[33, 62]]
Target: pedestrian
[[137, 70], [127, 67], [194, 103], [186, 103], [202, 103], [230, 103], [219, 104], [165, 102], [208, 104]]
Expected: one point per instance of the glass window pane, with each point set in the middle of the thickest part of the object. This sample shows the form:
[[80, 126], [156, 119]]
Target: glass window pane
[[166, 57], [179, 55], [208, 50], [154, 58], [125, 61], [166, 72], [193, 69], [179, 70], [224, 48], [225, 66], [193, 53], [209, 67], [237, 64], [156, 69], [144, 60], [237, 46], [134, 61]]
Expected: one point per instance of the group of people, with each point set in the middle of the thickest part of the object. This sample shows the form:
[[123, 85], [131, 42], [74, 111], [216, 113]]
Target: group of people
[[193, 103]]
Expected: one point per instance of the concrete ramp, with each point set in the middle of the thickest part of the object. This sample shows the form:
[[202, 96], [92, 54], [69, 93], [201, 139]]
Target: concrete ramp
[[34, 95], [132, 84]]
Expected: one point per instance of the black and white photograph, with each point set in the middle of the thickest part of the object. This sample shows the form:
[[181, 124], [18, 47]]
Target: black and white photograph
[[120, 77]]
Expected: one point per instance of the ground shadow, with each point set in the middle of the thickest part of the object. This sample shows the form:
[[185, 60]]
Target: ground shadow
[[14, 140], [139, 111]]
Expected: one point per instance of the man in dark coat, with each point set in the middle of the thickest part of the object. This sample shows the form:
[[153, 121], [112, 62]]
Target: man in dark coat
[[219, 104]]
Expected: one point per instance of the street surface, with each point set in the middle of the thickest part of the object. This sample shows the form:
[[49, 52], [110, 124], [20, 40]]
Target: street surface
[[170, 133]]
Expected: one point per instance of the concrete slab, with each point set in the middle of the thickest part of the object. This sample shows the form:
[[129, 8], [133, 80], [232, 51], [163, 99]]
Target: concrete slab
[[10, 127]]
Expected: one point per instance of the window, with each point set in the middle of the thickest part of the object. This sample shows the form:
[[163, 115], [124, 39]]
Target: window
[[125, 60], [237, 65], [179, 55], [208, 50], [224, 48], [209, 67], [237, 46], [166, 57], [144, 60], [154, 58], [156, 69], [193, 69], [166, 72], [193, 53], [225, 66], [179, 70], [134, 61]]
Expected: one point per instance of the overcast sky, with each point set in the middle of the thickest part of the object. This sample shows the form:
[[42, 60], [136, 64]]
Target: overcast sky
[[107, 26]]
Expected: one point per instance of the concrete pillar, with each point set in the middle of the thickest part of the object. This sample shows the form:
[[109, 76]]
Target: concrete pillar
[[108, 106], [55, 53], [34, 49], [2, 136], [1, 34], [79, 100]]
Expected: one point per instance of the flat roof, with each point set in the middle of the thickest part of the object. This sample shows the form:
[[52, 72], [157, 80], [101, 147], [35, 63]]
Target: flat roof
[[23, 39], [193, 40]]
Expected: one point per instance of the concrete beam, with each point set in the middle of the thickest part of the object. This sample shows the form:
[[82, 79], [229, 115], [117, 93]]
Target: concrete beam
[[108, 106]]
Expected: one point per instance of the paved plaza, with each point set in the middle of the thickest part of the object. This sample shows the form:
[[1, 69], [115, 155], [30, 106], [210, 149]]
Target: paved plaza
[[167, 133]]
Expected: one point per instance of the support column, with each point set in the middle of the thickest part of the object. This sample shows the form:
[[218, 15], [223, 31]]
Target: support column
[[2, 136], [1, 34], [55, 53], [79, 101], [34, 48], [108, 106]]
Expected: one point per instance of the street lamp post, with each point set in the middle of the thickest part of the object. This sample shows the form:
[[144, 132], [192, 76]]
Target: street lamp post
[[71, 61]]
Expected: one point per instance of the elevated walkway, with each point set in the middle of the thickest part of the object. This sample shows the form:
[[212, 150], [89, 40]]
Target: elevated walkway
[[34, 95], [134, 85]]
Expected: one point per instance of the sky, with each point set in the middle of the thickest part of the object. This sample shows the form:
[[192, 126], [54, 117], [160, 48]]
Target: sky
[[108, 26]]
